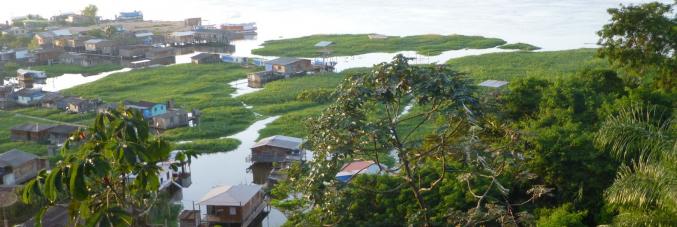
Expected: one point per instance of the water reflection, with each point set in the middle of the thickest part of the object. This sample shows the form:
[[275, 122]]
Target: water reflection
[[66, 81], [227, 168], [370, 59], [241, 88]]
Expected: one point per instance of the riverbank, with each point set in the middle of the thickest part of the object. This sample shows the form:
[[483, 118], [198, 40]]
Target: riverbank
[[356, 44]]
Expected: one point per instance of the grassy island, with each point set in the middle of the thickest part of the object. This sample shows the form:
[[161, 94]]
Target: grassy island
[[204, 87], [512, 65], [519, 46], [355, 44], [296, 99]]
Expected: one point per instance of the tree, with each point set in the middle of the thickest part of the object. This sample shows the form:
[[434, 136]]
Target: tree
[[96, 33], [90, 11], [643, 39], [10, 68], [438, 143], [109, 31], [561, 216], [524, 97], [558, 132], [111, 179], [645, 187], [33, 44]]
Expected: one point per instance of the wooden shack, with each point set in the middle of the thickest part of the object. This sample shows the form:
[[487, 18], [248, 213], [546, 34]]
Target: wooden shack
[[101, 46], [161, 56], [258, 79], [189, 218], [182, 37], [29, 96], [289, 66], [79, 105], [47, 56], [236, 205], [214, 36], [171, 119], [31, 132], [133, 51], [277, 149], [17, 167], [192, 22], [60, 133], [205, 58]]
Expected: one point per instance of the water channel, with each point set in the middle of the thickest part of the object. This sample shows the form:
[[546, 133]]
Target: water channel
[[227, 168]]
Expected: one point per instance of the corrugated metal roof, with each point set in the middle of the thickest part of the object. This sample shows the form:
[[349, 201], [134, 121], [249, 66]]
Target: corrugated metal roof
[[142, 104], [324, 44], [287, 142], [63, 129], [187, 33], [32, 127], [283, 61], [62, 32], [493, 83], [15, 158], [95, 41], [356, 166], [225, 195], [143, 34], [29, 92]]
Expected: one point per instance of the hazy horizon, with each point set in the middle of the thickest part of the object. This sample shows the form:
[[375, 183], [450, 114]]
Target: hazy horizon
[[552, 25]]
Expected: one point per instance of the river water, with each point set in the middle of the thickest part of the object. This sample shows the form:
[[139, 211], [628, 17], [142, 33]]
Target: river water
[[227, 168], [552, 25]]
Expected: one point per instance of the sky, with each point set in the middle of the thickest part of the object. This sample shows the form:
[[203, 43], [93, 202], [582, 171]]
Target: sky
[[551, 24]]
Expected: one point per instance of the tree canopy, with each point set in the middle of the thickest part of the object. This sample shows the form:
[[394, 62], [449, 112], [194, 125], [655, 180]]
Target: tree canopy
[[110, 178], [643, 39]]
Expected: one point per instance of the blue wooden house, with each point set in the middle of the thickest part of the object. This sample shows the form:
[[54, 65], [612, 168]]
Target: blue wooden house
[[130, 16], [149, 109]]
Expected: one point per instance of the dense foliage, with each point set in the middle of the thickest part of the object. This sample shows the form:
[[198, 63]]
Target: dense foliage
[[458, 173], [13, 41], [569, 121], [110, 178], [546, 64], [643, 40]]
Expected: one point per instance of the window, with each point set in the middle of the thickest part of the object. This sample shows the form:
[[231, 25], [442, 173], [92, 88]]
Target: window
[[233, 211]]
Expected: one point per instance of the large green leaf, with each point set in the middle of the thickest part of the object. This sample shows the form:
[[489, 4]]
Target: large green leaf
[[52, 184], [77, 186]]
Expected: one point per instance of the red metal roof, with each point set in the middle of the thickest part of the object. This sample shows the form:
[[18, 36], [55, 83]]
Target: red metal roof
[[356, 166]]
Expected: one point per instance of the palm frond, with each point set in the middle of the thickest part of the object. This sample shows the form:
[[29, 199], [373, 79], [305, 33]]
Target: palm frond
[[648, 218], [636, 131], [644, 186]]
